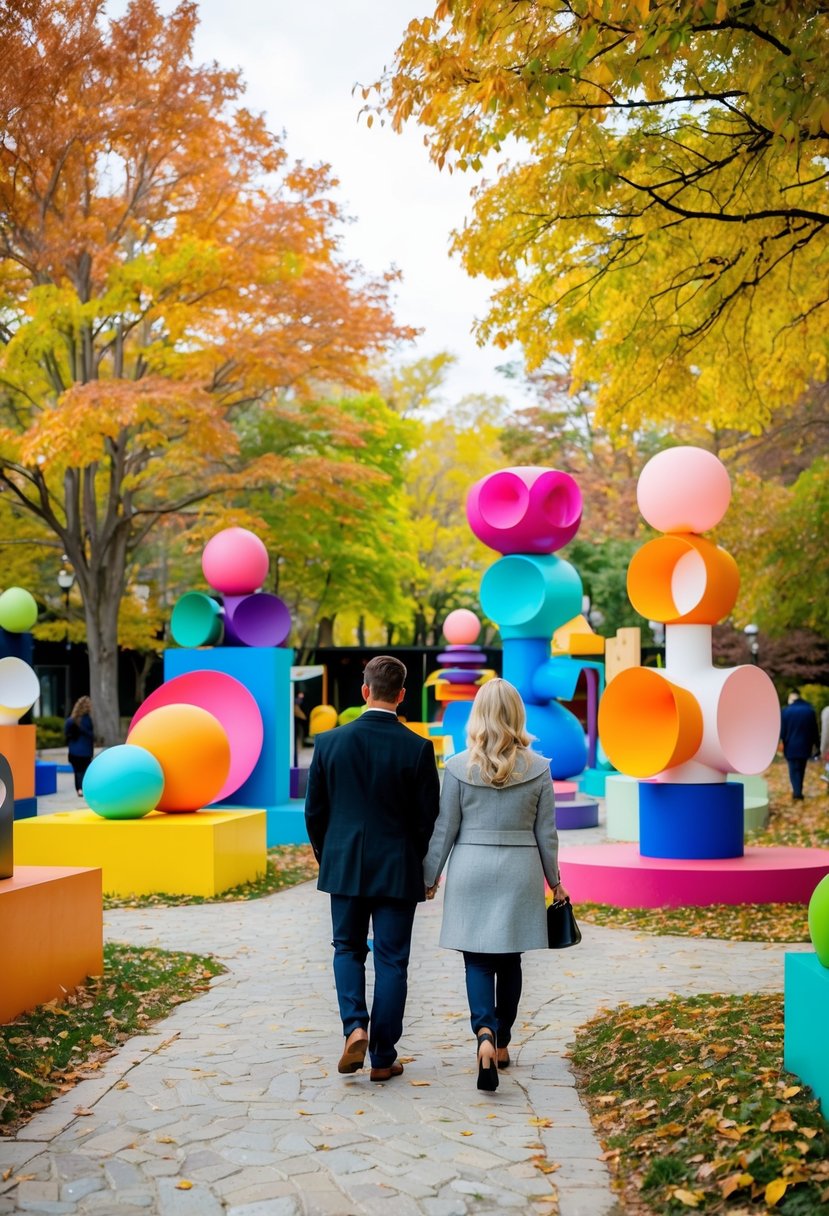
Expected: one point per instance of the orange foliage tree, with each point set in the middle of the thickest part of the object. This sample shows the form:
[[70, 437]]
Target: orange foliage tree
[[163, 269]]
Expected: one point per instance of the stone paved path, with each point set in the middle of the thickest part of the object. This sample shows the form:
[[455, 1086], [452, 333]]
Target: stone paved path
[[237, 1092]]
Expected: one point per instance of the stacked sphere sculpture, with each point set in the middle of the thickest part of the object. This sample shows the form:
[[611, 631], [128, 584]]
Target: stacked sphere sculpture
[[526, 514], [197, 738], [689, 724]]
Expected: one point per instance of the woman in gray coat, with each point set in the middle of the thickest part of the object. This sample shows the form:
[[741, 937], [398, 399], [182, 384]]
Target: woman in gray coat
[[497, 818]]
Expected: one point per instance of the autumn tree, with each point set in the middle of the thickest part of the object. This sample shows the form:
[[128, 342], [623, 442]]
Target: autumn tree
[[664, 216], [339, 536], [162, 269]]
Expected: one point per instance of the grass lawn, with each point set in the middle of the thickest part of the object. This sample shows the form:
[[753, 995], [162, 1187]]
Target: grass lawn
[[287, 864], [694, 1112], [803, 824], [44, 1053]]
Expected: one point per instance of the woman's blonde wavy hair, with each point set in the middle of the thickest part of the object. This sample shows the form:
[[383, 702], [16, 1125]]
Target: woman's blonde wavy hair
[[497, 731]]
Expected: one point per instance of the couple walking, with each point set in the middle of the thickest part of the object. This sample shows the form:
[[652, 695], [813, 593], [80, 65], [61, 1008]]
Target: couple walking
[[382, 831]]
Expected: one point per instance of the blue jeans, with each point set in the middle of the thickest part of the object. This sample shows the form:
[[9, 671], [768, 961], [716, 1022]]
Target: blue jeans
[[392, 921], [493, 987], [797, 771]]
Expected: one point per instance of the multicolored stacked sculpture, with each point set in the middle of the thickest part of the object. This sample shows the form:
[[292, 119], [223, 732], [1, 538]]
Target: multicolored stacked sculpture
[[240, 643], [19, 689], [526, 514], [806, 1003], [683, 728], [457, 683]]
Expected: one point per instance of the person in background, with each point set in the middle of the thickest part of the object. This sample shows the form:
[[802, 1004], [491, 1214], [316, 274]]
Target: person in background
[[80, 740], [372, 801], [800, 738], [497, 817]]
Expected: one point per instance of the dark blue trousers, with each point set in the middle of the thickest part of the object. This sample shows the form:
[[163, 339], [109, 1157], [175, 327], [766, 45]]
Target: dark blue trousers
[[797, 771], [493, 987], [391, 921]]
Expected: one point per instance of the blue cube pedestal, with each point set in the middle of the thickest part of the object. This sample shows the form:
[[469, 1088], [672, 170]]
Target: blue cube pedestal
[[690, 821], [806, 1015], [46, 777]]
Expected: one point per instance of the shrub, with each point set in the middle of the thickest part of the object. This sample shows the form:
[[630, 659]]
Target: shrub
[[49, 732]]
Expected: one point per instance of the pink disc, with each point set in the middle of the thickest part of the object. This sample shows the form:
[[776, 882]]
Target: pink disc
[[235, 561], [461, 627], [684, 489], [231, 703]]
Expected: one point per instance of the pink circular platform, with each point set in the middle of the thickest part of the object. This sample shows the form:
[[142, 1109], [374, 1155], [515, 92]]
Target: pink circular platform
[[617, 874]]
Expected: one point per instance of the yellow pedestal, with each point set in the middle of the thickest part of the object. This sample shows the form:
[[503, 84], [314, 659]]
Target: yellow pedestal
[[199, 853], [51, 935]]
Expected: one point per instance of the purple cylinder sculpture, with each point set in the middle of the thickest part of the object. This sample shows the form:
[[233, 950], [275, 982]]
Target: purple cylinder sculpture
[[260, 620]]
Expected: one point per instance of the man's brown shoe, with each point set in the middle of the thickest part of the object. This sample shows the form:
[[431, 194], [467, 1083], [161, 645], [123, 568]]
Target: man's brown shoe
[[386, 1074], [354, 1053]]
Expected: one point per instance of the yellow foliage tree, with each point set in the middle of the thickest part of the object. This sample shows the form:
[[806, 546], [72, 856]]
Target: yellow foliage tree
[[664, 221]]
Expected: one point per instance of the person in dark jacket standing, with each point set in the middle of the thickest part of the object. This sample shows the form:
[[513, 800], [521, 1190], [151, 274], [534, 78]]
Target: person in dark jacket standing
[[800, 737], [80, 740], [372, 801]]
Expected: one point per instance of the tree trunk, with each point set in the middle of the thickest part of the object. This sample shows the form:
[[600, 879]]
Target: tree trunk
[[361, 631], [101, 584], [389, 634], [325, 631]]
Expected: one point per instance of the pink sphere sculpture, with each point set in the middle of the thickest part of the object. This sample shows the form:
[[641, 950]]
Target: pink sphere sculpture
[[235, 561], [461, 627], [684, 489], [525, 510]]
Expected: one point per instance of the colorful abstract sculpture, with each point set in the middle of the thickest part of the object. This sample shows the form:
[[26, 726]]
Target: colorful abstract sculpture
[[457, 682], [193, 750], [18, 610], [526, 514], [683, 728]]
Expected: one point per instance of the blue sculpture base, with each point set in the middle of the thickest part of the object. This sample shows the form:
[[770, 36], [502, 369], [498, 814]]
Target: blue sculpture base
[[690, 821], [592, 781], [806, 1014], [25, 808], [285, 823]]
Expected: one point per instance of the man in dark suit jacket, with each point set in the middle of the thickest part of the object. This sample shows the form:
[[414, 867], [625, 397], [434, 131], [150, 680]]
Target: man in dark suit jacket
[[800, 737], [372, 801]]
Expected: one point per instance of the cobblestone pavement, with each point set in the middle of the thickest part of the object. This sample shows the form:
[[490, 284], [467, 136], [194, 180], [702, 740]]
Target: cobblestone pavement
[[237, 1092]]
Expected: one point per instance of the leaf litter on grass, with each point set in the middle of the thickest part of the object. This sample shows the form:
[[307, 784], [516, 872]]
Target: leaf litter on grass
[[694, 1112]]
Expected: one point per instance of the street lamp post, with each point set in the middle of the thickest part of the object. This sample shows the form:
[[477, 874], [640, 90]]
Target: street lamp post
[[751, 632], [66, 581]]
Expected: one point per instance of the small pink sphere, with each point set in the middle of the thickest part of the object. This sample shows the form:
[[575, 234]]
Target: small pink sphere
[[235, 562], [461, 627], [684, 489]]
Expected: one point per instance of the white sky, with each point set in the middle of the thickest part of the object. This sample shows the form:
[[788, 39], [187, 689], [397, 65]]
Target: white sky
[[301, 60]]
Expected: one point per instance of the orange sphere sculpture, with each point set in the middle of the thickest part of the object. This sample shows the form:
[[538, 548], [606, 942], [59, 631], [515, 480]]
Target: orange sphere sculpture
[[193, 750]]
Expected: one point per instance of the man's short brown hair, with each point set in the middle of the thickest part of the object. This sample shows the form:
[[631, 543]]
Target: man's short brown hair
[[385, 676]]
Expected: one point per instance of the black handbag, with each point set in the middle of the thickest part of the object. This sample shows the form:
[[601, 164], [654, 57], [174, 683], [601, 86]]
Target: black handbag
[[562, 929]]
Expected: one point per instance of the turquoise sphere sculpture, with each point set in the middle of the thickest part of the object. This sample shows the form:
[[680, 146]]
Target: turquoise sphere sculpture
[[819, 920], [123, 782]]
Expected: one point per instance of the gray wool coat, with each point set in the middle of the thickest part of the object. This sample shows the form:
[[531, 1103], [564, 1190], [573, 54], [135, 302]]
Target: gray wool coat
[[504, 844]]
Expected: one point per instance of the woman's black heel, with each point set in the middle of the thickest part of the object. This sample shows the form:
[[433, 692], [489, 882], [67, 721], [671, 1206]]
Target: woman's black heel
[[487, 1076]]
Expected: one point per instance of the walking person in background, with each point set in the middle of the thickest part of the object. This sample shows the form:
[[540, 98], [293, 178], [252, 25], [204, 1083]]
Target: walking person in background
[[497, 817], [824, 744], [80, 740], [371, 805], [800, 738]]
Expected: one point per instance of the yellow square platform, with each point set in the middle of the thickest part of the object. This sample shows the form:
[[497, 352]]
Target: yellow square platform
[[196, 853], [51, 934]]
